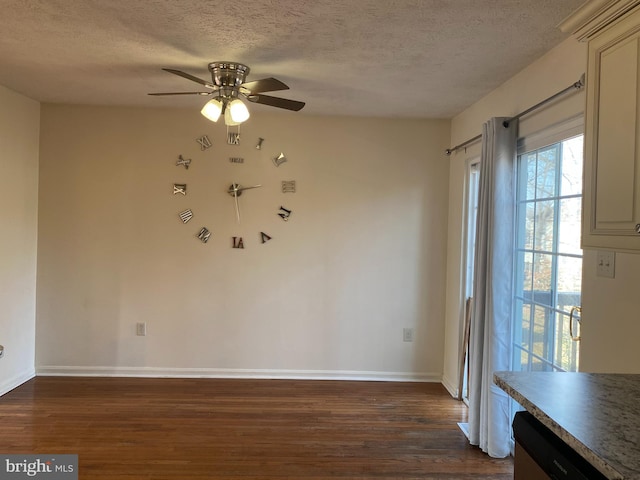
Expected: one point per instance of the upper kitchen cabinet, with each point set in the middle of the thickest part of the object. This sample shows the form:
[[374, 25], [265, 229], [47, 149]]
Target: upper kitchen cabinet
[[611, 201]]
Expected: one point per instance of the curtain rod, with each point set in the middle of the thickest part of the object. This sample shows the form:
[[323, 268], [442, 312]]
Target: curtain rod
[[575, 86]]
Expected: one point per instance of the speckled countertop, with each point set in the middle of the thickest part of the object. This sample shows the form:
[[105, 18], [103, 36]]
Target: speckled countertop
[[598, 415]]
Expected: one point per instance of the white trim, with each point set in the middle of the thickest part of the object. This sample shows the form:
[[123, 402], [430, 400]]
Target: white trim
[[592, 17], [464, 426], [551, 134], [453, 390], [583, 15], [15, 381], [62, 370]]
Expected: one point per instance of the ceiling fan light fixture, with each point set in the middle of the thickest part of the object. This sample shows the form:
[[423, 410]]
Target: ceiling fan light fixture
[[212, 109], [238, 111], [228, 120], [228, 83]]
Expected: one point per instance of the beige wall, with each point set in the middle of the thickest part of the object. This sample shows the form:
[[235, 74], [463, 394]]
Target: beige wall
[[19, 133], [610, 327], [363, 256]]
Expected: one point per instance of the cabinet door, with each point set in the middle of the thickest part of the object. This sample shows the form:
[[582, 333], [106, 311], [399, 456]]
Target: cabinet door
[[612, 165]]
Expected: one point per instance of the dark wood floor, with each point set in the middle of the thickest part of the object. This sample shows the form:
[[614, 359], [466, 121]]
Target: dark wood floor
[[245, 429]]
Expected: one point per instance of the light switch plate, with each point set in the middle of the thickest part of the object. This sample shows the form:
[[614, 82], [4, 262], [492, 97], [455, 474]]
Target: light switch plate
[[407, 334], [141, 329], [606, 266]]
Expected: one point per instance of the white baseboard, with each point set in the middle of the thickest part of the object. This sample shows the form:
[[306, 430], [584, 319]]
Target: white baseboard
[[465, 429], [60, 370], [7, 385], [453, 390]]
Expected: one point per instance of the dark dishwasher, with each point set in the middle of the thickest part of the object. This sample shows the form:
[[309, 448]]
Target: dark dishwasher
[[541, 454]]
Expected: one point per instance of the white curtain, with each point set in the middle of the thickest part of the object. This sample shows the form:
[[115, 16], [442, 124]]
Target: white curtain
[[490, 341]]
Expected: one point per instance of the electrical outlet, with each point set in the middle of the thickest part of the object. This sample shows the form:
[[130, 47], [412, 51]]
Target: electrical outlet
[[407, 334], [606, 266], [141, 329]]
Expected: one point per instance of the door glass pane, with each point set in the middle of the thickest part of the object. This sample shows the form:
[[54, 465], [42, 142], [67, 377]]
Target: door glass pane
[[569, 225], [540, 324], [544, 225], [529, 175], [524, 360], [546, 172], [527, 276], [529, 225], [542, 278], [569, 282], [572, 167], [537, 365], [525, 308], [566, 350]]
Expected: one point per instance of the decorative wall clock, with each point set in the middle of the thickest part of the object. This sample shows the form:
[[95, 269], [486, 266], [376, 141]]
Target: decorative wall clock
[[235, 192]]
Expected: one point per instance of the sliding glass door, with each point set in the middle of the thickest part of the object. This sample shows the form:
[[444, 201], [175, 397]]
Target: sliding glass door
[[548, 258]]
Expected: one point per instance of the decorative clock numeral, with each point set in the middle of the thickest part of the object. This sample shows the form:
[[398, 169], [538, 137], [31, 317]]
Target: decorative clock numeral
[[183, 161], [264, 238], [279, 160], [233, 138], [204, 142], [186, 215], [204, 234], [237, 242], [180, 188], [284, 214], [288, 186], [236, 160], [259, 144]]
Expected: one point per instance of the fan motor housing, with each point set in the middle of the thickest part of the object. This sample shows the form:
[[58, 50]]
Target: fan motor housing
[[228, 74]]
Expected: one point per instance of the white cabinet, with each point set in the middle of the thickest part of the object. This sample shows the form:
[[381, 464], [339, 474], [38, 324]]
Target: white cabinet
[[611, 204]]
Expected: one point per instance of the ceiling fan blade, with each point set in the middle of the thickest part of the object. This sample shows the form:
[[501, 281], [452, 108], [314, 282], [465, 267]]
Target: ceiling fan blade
[[277, 102], [264, 85], [180, 93], [190, 77]]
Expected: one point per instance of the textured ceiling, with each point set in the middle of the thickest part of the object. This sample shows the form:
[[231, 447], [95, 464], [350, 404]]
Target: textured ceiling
[[399, 58]]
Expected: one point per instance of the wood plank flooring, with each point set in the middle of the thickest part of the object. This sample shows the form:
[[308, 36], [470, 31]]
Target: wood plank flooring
[[134, 428]]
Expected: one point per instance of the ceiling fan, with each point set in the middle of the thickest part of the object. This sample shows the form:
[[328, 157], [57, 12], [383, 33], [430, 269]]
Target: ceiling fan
[[227, 85]]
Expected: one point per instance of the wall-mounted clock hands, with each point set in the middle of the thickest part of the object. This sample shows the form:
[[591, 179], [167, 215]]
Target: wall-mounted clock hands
[[241, 188], [236, 194], [235, 190]]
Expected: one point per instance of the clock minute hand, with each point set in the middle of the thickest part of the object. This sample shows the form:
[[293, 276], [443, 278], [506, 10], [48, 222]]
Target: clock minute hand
[[237, 207], [246, 188], [233, 191]]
